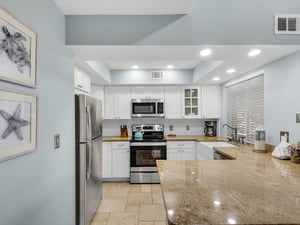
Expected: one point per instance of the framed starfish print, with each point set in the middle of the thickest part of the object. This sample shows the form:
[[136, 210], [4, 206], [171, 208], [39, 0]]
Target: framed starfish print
[[17, 51], [18, 116]]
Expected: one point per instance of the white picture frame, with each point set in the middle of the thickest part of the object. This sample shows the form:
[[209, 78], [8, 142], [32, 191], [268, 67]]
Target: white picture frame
[[18, 51], [18, 124]]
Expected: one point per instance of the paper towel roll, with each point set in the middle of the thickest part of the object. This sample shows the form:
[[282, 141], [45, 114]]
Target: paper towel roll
[[259, 143]]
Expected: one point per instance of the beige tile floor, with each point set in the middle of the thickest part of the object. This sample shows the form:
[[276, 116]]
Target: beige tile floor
[[130, 204]]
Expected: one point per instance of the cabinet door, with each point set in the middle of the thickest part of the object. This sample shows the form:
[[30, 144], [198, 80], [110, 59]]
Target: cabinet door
[[123, 100], [82, 81], [120, 163], [173, 106], [109, 103], [188, 154], [117, 103], [106, 159], [173, 154], [211, 101], [191, 102], [148, 92]]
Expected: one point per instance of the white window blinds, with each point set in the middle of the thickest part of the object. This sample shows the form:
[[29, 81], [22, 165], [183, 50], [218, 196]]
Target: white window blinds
[[246, 107]]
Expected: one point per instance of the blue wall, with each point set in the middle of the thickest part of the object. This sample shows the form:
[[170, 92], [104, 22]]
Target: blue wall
[[282, 79], [209, 22], [38, 188], [281, 99]]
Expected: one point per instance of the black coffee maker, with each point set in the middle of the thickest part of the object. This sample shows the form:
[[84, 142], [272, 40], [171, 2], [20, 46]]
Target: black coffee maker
[[210, 128]]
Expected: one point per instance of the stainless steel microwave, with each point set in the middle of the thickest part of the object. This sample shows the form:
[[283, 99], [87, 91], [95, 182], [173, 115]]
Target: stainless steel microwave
[[147, 108]]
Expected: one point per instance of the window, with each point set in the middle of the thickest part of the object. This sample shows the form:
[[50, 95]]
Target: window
[[246, 107]]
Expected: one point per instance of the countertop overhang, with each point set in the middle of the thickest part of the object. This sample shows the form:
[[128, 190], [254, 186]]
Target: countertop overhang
[[168, 138], [253, 189]]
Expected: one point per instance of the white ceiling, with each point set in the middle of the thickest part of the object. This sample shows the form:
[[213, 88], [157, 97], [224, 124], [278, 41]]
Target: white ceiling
[[124, 7], [183, 57], [158, 57]]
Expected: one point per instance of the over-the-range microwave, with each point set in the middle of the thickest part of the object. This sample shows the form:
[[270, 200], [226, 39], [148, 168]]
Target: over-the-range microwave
[[147, 108]]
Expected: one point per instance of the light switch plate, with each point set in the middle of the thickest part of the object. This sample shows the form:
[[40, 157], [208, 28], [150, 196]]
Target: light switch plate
[[56, 141], [187, 127], [298, 117]]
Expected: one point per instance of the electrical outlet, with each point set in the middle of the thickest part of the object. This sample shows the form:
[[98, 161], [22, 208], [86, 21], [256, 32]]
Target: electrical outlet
[[171, 128], [298, 117], [284, 135], [187, 127], [56, 141]]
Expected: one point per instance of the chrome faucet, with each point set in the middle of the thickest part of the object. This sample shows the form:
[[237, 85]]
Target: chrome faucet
[[235, 137]]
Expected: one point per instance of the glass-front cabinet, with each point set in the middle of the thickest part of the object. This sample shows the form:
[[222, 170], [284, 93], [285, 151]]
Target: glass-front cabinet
[[191, 102]]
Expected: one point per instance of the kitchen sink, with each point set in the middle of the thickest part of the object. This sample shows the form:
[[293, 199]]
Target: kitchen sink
[[212, 144]]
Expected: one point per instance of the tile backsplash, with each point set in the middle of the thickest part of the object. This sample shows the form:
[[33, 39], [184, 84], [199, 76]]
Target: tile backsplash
[[180, 126]]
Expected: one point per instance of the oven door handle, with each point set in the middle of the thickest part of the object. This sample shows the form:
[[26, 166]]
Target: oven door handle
[[148, 144]]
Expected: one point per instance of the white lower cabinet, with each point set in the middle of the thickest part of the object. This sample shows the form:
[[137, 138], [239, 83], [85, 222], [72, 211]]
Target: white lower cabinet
[[120, 159], [181, 150], [204, 152], [115, 160], [106, 159]]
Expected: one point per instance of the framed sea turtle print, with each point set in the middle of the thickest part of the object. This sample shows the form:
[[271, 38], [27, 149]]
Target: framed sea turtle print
[[18, 49], [18, 122]]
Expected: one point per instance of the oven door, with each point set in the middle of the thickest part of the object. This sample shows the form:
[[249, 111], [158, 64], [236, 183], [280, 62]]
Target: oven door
[[145, 154]]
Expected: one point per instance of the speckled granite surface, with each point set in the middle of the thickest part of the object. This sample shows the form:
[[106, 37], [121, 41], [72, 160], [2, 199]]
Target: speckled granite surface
[[115, 138], [253, 189], [176, 138], [193, 138]]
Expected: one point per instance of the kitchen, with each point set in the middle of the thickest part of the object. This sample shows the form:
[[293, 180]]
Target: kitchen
[[40, 188]]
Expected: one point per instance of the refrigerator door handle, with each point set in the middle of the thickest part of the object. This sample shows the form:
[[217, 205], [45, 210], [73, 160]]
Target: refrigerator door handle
[[89, 139], [89, 160], [89, 125]]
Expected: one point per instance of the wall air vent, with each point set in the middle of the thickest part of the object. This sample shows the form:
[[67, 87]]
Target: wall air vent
[[287, 24], [156, 75]]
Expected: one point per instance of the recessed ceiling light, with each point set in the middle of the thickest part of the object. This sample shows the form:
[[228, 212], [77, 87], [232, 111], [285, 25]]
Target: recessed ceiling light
[[205, 52], [216, 78], [254, 52], [230, 70], [135, 67], [170, 66]]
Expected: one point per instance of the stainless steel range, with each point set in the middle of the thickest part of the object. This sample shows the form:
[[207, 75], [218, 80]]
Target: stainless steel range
[[145, 151]]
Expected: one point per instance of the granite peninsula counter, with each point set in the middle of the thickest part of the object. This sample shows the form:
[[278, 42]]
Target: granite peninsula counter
[[253, 189]]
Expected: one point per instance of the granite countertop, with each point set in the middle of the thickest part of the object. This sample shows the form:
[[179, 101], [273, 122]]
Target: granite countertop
[[252, 189], [168, 138], [115, 138], [193, 138]]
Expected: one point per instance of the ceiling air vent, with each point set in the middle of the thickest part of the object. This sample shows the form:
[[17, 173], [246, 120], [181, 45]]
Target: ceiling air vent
[[287, 24], [156, 75]]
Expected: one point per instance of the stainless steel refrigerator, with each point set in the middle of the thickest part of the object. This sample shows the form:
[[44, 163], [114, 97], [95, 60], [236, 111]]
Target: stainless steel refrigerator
[[88, 157]]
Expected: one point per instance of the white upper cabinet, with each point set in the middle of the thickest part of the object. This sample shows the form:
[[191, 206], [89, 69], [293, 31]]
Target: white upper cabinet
[[150, 92], [210, 102], [191, 97], [82, 81], [173, 105], [117, 103]]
